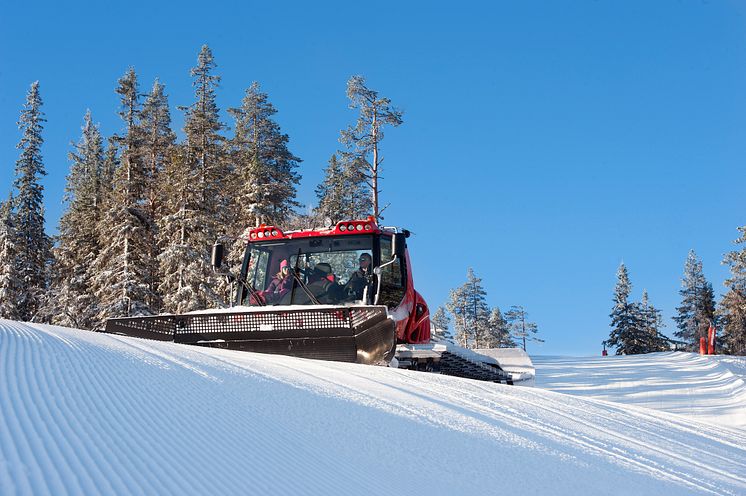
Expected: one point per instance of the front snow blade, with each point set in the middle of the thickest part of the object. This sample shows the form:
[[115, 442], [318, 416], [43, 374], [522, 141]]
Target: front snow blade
[[361, 334]]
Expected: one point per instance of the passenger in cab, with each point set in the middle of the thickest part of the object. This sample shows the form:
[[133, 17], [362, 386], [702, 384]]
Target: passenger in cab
[[322, 283], [280, 284]]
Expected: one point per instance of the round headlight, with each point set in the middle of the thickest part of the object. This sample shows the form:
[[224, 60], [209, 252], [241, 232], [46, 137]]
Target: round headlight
[[343, 228], [359, 227], [260, 234], [367, 227], [253, 235], [266, 234], [274, 232], [350, 227]]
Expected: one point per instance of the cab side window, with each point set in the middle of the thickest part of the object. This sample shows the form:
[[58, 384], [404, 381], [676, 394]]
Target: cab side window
[[260, 270], [392, 282]]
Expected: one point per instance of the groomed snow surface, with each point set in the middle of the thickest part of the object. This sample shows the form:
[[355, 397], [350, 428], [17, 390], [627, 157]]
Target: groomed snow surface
[[87, 413]]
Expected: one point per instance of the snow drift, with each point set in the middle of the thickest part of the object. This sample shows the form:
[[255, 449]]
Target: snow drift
[[86, 413]]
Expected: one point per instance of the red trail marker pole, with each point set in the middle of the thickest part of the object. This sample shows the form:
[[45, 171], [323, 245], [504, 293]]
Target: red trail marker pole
[[711, 340]]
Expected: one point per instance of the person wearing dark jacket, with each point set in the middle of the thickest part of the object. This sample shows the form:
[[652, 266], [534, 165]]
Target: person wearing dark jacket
[[322, 284], [359, 278]]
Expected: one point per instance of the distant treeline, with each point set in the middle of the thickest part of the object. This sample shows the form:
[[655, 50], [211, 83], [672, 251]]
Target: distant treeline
[[636, 326], [476, 324], [142, 208]]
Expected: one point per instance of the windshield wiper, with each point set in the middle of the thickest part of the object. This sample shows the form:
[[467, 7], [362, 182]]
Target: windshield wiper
[[297, 279], [252, 290], [243, 282]]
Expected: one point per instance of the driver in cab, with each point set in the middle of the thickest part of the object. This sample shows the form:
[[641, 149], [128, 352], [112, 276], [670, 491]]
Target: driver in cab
[[359, 278]]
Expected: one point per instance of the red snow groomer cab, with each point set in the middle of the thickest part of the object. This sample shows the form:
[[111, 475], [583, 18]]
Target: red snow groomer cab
[[343, 293], [355, 274]]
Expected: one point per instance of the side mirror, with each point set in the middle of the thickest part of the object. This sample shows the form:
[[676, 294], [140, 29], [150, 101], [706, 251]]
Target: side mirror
[[399, 245], [217, 255]]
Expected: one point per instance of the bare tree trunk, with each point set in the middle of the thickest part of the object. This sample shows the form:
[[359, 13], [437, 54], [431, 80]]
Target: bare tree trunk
[[374, 175]]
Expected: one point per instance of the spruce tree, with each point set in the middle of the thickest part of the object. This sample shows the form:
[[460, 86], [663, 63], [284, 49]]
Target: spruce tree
[[204, 144], [733, 304], [499, 331], [363, 139], [184, 271], [342, 194], [468, 305], [520, 327], [33, 246], [196, 200], [157, 142], [697, 310], [634, 326], [482, 328], [733, 319], [622, 314], [267, 169], [457, 306], [110, 166], [441, 326], [131, 142], [10, 282], [477, 309], [651, 322], [121, 279], [331, 193], [71, 301]]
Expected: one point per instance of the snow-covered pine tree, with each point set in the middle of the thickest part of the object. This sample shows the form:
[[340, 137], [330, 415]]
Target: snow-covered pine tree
[[196, 200], [363, 139], [184, 271], [10, 282], [205, 151], [499, 331], [71, 301], [331, 193], [477, 310], [622, 314], [343, 193], [131, 142], [302, 220], [33, 246], [697, 310], [733, 305], [651, 322], [157, 142], [441, 326], [733, 320], [266, 171], [470, 311], [482, 327], [520, 327], [110, 166], [122, 266], [266, 167], [457, 306], [627, 331]]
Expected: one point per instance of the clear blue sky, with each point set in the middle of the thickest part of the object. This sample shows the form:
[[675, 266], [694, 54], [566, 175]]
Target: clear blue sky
[[543, 143]]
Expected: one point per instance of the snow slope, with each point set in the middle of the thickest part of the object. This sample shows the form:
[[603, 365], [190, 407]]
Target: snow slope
[[86, 413], [706, 388]]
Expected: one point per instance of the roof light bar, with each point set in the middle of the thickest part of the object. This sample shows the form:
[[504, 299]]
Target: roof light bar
[[265, 232], [356, 226]]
